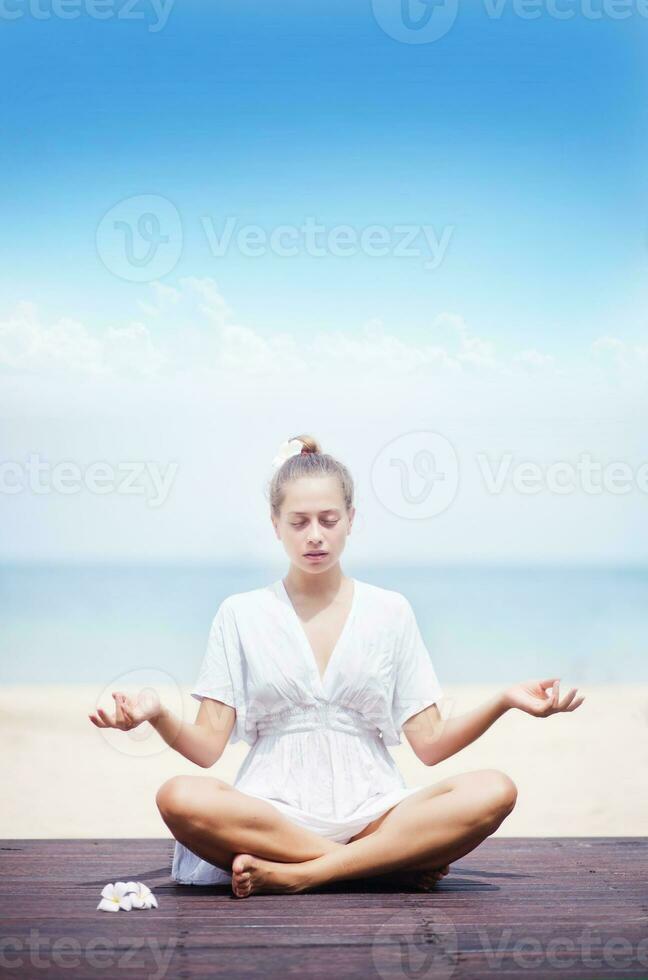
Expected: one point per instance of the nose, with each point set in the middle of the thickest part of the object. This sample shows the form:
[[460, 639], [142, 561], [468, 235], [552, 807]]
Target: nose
[[314, 535]]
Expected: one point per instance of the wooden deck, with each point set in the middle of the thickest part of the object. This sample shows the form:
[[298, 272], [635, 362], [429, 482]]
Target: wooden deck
[[514, 907]]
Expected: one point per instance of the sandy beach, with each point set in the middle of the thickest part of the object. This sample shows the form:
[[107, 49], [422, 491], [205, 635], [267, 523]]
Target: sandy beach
[[578, 774]]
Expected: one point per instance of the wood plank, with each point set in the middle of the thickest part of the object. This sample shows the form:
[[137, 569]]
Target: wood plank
[[514, 907]]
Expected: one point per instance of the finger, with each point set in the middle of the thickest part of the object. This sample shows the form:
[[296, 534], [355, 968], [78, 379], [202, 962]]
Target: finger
[[548, 682], [555, 696], [95, 721], [550, 704], [576, 703], [105, 717], [546, 702], [126, 709], [568, 698], [119, 714]]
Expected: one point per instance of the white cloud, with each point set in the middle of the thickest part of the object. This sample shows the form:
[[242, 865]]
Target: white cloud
[[533, 360], [163, 297], [187, 383], [619, 352], [130, 350], [188, 332]]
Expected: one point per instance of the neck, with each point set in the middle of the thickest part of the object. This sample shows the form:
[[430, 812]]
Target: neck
[[327, 583]]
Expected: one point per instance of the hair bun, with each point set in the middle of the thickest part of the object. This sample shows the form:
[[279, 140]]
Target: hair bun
[[287, 467], [310, 444]]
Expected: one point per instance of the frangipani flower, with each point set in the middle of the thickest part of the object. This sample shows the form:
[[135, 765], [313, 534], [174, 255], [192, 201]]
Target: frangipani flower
[[141, 895], [115, 897], [291, 447]]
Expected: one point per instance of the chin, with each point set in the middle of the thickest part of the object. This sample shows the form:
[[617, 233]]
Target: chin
[[316, 566]]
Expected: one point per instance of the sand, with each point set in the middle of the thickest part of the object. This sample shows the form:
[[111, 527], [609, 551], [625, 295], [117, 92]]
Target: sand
[[579, 774]]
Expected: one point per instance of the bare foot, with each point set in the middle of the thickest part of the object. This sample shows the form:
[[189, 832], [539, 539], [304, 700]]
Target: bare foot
[[252, 875], [419, 879]]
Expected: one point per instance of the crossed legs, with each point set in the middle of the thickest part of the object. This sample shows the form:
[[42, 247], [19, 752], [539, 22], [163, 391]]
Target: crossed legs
[[217, 822], [265, 852]]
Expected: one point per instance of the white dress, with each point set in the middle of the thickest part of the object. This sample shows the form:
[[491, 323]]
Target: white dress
[[318, 747]]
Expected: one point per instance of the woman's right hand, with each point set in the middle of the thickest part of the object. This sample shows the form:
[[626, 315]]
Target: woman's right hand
[[129, 713]]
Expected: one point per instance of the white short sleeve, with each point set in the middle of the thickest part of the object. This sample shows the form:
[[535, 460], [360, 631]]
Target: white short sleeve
[[220, 675], [416, 684]]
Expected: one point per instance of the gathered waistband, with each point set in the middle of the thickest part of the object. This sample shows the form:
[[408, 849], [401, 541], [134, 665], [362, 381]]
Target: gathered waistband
[[316, 716]]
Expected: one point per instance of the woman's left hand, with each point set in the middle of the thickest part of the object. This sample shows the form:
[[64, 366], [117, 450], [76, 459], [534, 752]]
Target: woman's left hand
[[532, 697]]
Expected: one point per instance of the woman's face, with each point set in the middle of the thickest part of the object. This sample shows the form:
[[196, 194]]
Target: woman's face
[[314, 518]]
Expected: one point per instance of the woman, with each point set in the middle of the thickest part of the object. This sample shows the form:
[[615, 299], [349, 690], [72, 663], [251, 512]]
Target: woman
[[319, 672]]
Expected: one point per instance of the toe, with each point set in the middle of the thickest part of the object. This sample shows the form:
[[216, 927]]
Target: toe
[[241, 891], [240, 862]]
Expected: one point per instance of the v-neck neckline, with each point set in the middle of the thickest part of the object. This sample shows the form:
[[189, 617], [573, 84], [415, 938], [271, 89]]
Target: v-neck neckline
[[308, 650]]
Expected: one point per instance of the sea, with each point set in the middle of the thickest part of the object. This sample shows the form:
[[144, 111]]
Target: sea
[[102, 623]]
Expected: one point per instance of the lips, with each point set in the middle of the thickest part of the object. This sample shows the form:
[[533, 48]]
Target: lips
[[314, 554]]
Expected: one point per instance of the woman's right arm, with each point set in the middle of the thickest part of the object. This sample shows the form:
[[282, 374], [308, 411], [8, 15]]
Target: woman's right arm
[[202, 741]]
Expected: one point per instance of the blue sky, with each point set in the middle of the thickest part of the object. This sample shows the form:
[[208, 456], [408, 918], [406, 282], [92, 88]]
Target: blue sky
[[522, 141], [526, 137]]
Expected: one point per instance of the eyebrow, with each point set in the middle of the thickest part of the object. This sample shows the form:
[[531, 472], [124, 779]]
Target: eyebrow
[[304, 513]]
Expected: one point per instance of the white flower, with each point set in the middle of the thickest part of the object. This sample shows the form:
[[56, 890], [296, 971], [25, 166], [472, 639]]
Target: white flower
[[141, 895], [291, 447], [126, 895], [115, 897]]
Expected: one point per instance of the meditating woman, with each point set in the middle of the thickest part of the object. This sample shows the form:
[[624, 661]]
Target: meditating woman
[[319, 673]]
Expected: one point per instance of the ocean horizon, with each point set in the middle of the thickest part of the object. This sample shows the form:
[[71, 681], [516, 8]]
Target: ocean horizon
[[95, 623]]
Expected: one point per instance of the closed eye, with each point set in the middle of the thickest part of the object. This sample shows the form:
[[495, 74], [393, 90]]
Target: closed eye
[[326, 524]]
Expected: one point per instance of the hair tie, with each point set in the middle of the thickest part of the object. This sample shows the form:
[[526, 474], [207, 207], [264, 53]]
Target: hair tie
[[291, 447]]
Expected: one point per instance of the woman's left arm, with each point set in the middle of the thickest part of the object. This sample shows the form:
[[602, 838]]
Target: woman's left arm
[[435, 739]]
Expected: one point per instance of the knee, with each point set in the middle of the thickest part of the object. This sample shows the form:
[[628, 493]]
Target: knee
[[500, 795], [173, 798]]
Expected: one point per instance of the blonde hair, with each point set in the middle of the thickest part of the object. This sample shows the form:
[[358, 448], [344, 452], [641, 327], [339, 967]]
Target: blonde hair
[[310, 462]]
